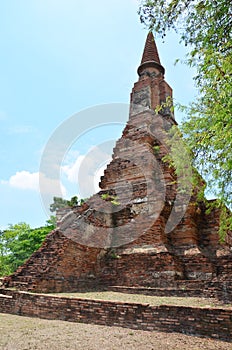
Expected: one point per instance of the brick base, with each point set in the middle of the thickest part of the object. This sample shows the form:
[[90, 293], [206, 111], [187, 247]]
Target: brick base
[[206, 322]]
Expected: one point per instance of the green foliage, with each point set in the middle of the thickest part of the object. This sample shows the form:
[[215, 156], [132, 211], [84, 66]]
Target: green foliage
[[112, 199], [115, 201], [59, 203], [181, 160], [73, 201], [205, 28], [225, 219], [156, 149], [166, 106], [17, 243], [82, 201], [105, 196], [51, 221]]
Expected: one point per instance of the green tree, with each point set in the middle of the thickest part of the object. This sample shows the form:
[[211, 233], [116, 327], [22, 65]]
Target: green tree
[[5, 268], [73, 201], [18, 242], [205, 28], [58, 203], [51, 221]]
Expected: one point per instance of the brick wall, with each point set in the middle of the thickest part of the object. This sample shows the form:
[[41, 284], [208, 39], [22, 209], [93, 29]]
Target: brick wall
[[214, 323]]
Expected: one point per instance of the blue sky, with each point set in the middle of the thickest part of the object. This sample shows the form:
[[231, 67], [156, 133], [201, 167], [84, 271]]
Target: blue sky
[[58, 58]]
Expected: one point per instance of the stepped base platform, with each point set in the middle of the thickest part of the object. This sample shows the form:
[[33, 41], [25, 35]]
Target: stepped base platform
[[210, 322]]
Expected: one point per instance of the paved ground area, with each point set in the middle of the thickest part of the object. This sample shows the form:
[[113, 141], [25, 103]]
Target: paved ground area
[[24, 333]]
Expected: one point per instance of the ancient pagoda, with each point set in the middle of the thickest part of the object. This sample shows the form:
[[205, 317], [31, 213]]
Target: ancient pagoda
[[140, 229]]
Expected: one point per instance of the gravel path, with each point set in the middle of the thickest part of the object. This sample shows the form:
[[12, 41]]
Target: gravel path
[[24, 333]]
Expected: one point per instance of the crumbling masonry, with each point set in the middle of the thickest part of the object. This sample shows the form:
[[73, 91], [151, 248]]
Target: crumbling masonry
[[139, 230]]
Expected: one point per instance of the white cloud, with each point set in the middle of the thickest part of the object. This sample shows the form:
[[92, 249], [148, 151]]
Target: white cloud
[[25, 180], [85, 171], [89, 181], [72, 170], [38, 182]]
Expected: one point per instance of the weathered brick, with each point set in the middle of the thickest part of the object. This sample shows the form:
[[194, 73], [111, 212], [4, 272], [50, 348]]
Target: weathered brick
[[143, 255]]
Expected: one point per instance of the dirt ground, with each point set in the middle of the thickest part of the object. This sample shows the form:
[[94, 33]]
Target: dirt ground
[[24, 333]]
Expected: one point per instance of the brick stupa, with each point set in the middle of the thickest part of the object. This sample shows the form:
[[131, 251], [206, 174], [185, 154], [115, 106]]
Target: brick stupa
[[139, 230]]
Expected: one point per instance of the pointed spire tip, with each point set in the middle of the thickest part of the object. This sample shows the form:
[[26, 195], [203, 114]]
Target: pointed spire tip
[[150, 52], [150, 56]]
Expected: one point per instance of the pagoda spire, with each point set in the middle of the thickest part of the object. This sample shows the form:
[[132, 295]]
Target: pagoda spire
[[150, 58]]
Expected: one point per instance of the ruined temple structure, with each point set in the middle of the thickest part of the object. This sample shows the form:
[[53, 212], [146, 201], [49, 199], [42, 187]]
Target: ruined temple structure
[[142, 228]]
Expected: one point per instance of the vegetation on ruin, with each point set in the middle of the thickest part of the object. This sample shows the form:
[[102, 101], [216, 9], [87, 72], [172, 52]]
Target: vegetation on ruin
[[205, 29], [112, 199]]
